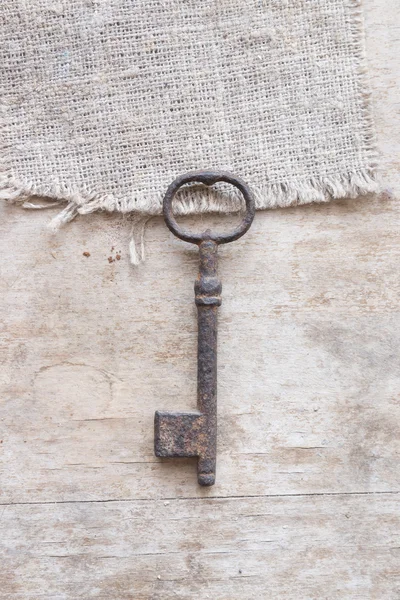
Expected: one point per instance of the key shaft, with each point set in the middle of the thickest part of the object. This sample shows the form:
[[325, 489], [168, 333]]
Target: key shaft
[[208, 298]]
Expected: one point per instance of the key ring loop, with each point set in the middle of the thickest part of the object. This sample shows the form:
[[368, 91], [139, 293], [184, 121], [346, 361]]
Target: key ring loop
[[208, 178]]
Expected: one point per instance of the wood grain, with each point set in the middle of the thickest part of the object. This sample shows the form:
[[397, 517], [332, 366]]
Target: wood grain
[[306, 501], [314, 547]]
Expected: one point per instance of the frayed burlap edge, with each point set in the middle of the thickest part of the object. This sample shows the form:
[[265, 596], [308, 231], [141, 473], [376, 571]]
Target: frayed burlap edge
[[350, 185]]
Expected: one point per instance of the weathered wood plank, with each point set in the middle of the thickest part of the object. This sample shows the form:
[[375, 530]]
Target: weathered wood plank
[[308, 357], [297, 548]]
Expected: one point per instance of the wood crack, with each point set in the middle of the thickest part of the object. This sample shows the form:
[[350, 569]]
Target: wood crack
[[200, 499]]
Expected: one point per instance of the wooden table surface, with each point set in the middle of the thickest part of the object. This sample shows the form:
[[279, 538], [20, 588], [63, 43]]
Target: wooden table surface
[[307, 500]]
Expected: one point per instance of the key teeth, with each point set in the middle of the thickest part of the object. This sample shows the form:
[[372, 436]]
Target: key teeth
[[176, 434]]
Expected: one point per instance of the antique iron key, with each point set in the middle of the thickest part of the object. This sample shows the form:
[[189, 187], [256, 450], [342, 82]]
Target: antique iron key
[[187, 434]]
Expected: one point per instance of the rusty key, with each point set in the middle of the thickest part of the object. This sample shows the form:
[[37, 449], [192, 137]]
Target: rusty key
[[194, 434]]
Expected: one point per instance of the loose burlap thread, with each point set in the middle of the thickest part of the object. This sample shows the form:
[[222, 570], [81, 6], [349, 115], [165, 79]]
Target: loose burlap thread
[[105, 102]]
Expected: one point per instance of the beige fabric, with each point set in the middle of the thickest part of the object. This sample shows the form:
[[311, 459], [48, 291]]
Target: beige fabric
[[106, 101]]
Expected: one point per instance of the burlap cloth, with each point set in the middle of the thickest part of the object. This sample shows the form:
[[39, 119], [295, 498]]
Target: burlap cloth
[[104, 102]]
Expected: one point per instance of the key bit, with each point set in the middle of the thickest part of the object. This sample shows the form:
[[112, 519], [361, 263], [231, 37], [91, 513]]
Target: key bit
[[194, 434]]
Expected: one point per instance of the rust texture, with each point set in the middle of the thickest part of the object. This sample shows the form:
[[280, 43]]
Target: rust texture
[[195, 434]]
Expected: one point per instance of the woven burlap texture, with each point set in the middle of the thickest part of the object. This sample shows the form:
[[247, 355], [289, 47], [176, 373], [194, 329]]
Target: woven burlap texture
[[105, 102]]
